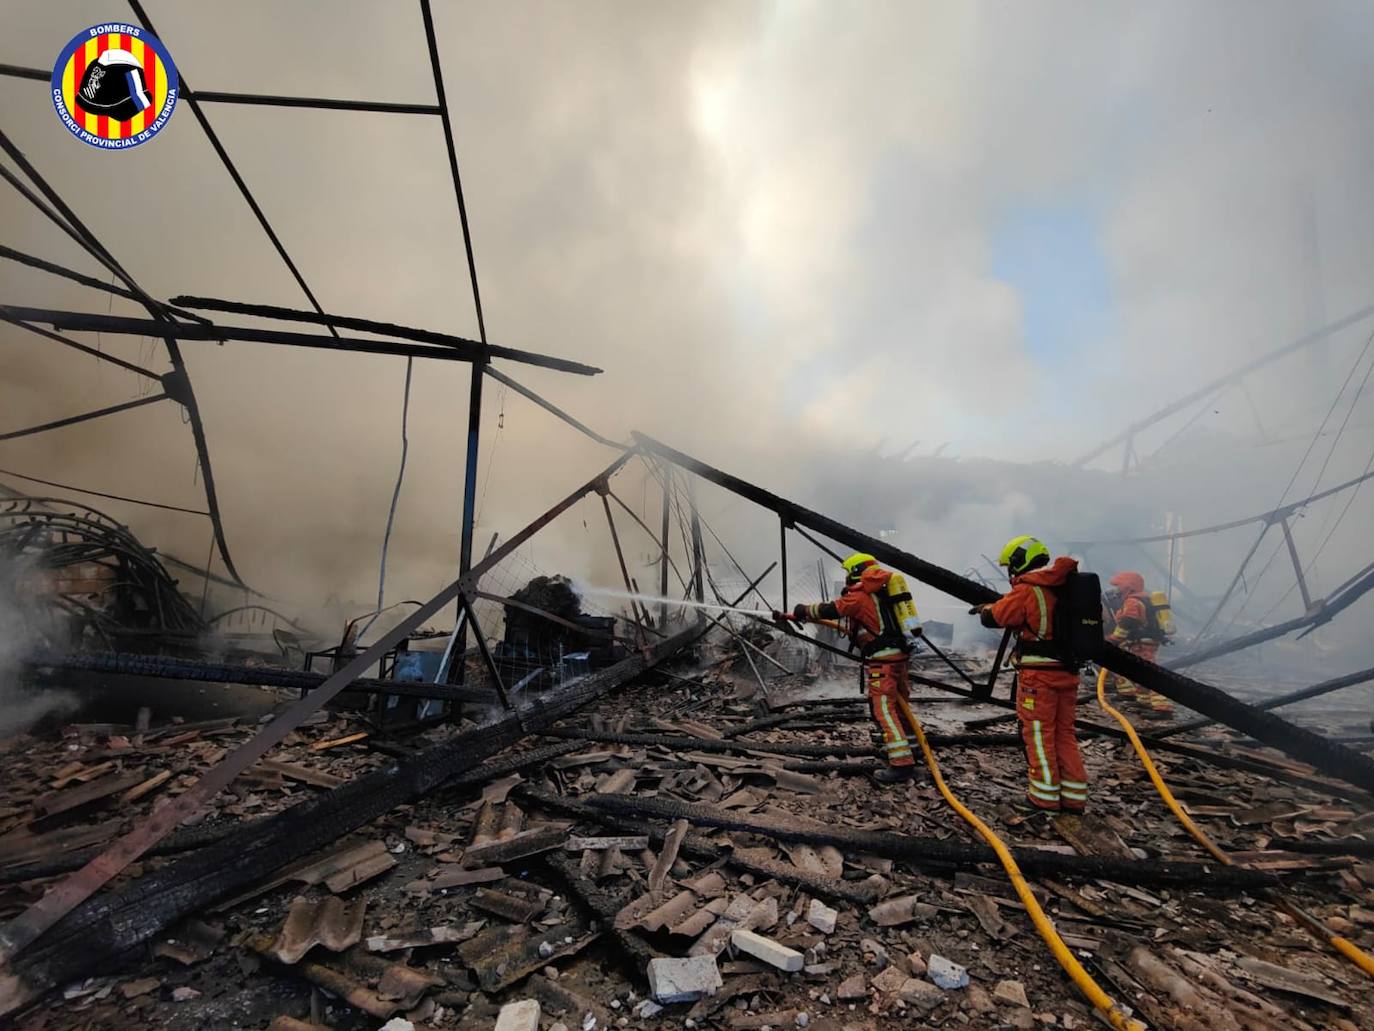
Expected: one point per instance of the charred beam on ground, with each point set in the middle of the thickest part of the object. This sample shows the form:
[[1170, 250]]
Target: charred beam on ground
[[938, 852], [1302, 694], [162, 667], [102, 929]]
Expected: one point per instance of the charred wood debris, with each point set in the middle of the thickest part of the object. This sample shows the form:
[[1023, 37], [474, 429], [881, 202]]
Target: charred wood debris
[[669, 846]]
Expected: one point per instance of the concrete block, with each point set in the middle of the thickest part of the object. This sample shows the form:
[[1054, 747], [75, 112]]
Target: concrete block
[[946, 973], [519, 1016], [822, 917], [675, 979], [771, 952]]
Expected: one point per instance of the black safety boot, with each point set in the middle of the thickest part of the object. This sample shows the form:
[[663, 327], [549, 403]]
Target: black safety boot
[[895, 774]]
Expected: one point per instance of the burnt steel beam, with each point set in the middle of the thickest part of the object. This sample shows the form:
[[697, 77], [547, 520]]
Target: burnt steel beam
[[424, 336], [1234, 376], [740, 746], [64, 897], [467, 351], [1329, 758], [1269, 517], [936, 852], [72, 420], [1300, 695], [549, 407], [130, 665], [77, 346], [189, 95], [318, 103], [105, 929], [67, 219], [14, 71], [60, 270], [1322, 611], [111, 497]]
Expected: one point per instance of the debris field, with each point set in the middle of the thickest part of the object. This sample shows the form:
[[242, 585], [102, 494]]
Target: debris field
[[679, 854]]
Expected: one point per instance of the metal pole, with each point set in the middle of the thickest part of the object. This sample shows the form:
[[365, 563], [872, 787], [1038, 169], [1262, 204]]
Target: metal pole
[[782, 550], [1297, 565], [487, 657], [1302, 694], [663, 562], [85, 417], [470, 475], [624, 570], [698, 552], [1234, 581]]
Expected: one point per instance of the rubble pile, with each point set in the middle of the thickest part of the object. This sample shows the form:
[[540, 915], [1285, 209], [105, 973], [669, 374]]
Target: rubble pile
[[552, 887]]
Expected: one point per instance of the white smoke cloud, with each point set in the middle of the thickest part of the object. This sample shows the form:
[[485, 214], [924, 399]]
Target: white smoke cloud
[[775, 226]]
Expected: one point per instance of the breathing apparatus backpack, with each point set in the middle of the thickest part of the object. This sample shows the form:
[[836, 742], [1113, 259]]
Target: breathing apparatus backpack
[[897, 613], [1077, 624], [1078, 618], [1159, 615]]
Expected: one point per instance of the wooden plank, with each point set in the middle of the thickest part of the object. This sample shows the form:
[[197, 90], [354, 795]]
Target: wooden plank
[[146, 788], [304, 774], [55, 803], [629, 843], [348, 739], [526, 843]]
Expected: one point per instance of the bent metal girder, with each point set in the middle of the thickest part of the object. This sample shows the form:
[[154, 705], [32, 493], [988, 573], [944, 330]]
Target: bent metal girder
[[1328, 757]]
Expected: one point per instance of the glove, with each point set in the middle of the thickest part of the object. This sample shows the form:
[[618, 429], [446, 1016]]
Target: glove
[[780, 617], [977, 610], [799, 614]]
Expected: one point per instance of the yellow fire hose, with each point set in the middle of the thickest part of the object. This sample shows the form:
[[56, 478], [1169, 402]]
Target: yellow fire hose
[[1344, 946], [1066, 959]]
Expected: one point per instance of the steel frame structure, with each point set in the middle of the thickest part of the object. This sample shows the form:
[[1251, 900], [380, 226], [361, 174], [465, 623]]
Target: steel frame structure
[[479, 353]]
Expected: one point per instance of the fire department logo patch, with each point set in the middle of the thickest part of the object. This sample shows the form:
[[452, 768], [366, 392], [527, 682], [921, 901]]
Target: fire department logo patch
[[114, 86]]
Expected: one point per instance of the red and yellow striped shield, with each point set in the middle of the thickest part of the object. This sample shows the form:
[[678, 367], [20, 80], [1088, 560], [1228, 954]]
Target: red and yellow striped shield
[[114, 86]]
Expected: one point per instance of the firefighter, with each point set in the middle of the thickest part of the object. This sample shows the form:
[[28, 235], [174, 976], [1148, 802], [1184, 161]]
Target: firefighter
[[1137, 630], [1046, 679], [868, 613]]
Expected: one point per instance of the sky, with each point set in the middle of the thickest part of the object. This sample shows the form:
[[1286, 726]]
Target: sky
[[799, 237]]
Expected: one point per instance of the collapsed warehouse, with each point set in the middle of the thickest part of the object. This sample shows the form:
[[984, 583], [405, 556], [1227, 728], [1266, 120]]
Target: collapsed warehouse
[[507, 805]]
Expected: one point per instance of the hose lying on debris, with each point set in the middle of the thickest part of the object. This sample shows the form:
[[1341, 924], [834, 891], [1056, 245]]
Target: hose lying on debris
[[1344, 946], [1117, 1017]]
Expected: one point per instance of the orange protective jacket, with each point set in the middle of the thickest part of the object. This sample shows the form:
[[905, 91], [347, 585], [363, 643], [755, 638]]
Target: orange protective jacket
[[1132, 618], [1028, 608], [859, 608]]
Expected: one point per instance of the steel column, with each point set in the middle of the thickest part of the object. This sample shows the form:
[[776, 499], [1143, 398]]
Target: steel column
[[1297, 565]]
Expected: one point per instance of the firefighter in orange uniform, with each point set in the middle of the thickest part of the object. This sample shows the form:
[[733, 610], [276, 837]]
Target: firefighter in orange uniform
[[867, 613], [1046, 681], [1138, 631]]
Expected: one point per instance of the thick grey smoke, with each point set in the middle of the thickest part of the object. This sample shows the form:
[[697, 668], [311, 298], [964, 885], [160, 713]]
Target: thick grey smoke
[[22, 629], [788, 232]]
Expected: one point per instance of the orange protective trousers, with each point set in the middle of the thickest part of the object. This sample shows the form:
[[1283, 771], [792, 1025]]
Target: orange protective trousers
[[1149, 651], [885, 682], [1047, 704]]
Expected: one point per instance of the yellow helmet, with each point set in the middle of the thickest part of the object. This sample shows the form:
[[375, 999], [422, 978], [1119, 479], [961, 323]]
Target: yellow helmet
[[854, 564], [1023, 553]]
